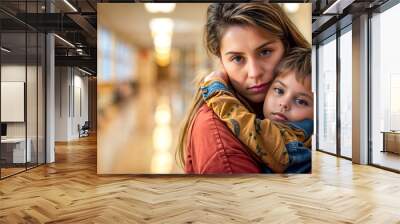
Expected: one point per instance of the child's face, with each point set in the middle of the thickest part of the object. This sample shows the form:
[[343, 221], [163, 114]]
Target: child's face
[[289, 100]]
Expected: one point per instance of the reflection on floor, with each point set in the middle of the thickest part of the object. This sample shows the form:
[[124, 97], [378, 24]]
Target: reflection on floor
[[13, 168], [386, 159], [10, 171], [140, 134]]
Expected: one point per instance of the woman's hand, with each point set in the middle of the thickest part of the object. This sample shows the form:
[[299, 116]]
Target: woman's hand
[[217, 74]]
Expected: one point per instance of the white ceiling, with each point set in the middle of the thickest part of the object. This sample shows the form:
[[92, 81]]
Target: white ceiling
[[130, 21]]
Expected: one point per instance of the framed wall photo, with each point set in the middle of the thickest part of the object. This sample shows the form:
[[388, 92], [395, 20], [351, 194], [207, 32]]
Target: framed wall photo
[[149, 121]]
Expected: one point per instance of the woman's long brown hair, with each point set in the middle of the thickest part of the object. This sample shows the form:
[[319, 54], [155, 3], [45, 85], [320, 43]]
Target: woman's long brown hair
[[220, 16]]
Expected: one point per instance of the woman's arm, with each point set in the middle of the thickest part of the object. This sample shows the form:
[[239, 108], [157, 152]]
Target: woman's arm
[[213, 149]]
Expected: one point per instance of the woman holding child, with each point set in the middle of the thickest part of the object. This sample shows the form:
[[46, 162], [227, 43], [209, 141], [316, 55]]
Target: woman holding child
[[250, 40]]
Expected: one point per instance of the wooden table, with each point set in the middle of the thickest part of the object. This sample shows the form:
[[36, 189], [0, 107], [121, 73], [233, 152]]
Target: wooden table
[[391, 141]]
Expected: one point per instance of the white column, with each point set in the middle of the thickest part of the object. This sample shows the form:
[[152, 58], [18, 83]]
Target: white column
[[50, 99], [360, 90], [50, 92]]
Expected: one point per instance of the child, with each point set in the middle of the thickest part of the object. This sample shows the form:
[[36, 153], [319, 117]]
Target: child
[[283, 139]]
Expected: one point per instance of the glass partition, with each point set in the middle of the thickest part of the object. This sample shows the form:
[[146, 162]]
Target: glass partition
[[13, 108], [327, 96], [385, 89], [31, 98], [346, 93], [22, 88], [41, 91]]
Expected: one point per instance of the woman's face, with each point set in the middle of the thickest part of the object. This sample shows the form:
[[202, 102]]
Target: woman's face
[[249, 56]]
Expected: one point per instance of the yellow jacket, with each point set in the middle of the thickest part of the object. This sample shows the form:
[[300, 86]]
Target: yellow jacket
[[279, 145]]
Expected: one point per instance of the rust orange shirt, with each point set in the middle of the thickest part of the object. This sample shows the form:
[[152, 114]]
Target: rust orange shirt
[[213, 149]]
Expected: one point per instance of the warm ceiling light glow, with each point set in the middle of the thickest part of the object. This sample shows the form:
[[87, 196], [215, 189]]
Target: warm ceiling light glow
[[162, 138], [161, 162], [162, 42], [160, 7], [163, 51], [161, 30], [163, 57], [161, 25], [162, 61], [163, 114], [70, 5], [291, 7]]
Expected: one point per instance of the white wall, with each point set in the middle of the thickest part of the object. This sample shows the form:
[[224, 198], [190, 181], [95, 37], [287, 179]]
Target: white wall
[[80, 85], [33, 126], [12, 73], [70, 83], [62, 81], [314, 89]]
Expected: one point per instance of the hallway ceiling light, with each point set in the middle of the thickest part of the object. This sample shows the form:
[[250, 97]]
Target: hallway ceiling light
[[163, 114], [70, 5], [84, 71], [161, 30], [163, 59], [161, 25], [65, 41], [337, 7], [163, 50], [163, 62], [79, 51], [5, 50], [160, 7], [291, 7], [162, 42], [163, 55]]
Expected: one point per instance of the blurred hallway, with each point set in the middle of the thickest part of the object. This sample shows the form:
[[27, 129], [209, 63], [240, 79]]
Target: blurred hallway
[[142, 130]]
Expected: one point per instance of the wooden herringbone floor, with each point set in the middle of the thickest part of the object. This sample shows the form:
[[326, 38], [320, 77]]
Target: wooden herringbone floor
[[70, 191]]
